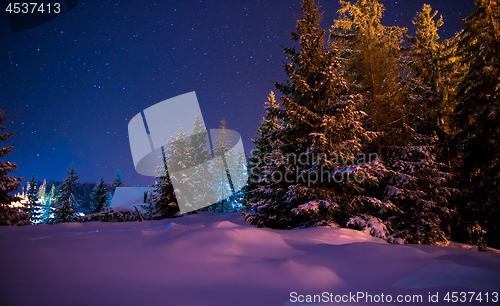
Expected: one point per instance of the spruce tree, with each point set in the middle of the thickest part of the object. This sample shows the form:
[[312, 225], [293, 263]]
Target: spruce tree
[[372, 55], [232, 170], [98, 197], [425, 60], [477, 116], [164, 204], [117, 182], [67, 201], [45, 202], [263, 147], [199, 148], [220, 188], [177, 156], [415, 188], [432, 76], [34, 205], [53, 195], [419, 187], [420, 184], [319, 126], [8, 184]]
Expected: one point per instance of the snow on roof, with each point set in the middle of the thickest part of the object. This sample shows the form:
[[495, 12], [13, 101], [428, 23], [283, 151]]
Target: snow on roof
[[128, 197]]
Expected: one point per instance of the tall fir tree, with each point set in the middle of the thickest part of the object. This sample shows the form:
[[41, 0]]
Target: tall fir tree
[[319, 126], [425, 60], [177, 156], [416, 185], [8, 184], [432, 76], [263, 147], [372, 55], [232, 170], [67, 200], [477, 116], [200, 179], [98, 197]]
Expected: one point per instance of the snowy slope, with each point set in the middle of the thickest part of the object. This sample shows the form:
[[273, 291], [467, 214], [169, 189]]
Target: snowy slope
[[217, 259]]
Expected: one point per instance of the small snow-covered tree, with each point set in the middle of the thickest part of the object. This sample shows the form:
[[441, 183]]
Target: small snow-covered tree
[[223, 178], [34, 203], [98, 197], [67, 201], [45, 203], [164, 204], [177, 156], [117, 182], [52, 199]]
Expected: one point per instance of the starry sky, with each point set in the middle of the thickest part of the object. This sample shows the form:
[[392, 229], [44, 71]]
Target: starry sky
[[71, 85]]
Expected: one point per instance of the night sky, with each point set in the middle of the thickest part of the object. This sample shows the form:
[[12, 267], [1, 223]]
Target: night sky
[[71, 85]]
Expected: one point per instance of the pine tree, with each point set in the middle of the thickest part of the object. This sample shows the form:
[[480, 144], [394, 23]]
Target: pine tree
[[433, 75], [98, 197], [200, 179], [419, 187], [406, 110], [45, 202], [53, 194], [372, 54], [319, 126], [177, 156], [164, 204], [67, 201], [221, 176], [478, 117], [117, 182], [7, 184], [263, 147], [425, 63], [225, 177], [35, 209]]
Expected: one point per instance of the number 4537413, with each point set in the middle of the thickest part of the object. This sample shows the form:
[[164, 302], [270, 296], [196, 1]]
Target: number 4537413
[[33, 8], [485, 297]]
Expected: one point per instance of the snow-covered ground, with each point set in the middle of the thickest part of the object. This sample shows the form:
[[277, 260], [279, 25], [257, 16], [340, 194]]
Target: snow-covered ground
[[218, 259]]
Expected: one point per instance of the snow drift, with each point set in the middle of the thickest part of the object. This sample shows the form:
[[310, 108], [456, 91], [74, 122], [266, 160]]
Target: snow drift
[[217, 259]]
